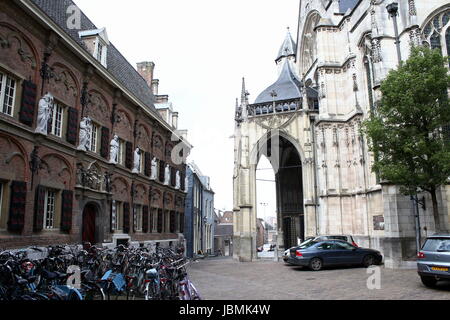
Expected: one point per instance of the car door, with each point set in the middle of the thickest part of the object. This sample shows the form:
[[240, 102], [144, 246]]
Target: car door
[[325, 252], [344, 253]]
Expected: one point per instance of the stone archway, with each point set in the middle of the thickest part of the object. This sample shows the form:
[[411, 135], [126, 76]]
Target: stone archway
[[286, 158]]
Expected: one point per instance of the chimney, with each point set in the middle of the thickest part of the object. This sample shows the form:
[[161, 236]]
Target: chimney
[[155, 87], [146, 70], [175, 120]]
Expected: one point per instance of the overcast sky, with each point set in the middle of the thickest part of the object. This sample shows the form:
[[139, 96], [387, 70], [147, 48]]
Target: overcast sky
[[202, 49]]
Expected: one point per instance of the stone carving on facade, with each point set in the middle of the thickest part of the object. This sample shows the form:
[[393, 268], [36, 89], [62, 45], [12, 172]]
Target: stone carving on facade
[[92, 178], [98, 108], [114, 150], [168, 199], [10, 39], [64, 77], [108, 182], [178, 181], [167, 175], [137, 161], [154, 171], [85, 134], [44, 114], [376, 51]]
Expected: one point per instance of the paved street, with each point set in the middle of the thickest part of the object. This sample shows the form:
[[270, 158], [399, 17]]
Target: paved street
[[225, 279]]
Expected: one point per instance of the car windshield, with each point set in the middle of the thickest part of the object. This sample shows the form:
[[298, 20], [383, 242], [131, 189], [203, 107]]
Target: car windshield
[[437, 245], [307, 244]]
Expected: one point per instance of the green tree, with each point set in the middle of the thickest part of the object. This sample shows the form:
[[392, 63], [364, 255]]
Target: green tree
[[405, 131]]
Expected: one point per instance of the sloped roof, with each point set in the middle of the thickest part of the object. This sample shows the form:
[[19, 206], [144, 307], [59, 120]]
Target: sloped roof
[[117, 64], [344, 5], [288, 48], [287, 87]]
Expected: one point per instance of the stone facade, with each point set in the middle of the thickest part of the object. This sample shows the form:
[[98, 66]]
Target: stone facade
[[53, 191], [342, 53]]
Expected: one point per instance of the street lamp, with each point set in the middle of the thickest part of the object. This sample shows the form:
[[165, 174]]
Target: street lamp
[[392, 9]]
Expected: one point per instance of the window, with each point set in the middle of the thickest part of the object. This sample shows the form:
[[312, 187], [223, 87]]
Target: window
[[436, 32], [342, 246], [50, 213], [138, 218], [57, 120], [101, 52], [1, 200], [7, 94], [94, 137], [121, 153], [118, 210]]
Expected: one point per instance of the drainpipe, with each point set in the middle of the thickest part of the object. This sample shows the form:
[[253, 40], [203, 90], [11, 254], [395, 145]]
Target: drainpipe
[[316, 185]]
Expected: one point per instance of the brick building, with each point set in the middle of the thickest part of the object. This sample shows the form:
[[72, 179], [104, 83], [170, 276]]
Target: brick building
[[98, 166]]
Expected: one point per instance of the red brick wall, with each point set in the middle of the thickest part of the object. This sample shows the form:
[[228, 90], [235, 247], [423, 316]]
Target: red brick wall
[[59, 158]]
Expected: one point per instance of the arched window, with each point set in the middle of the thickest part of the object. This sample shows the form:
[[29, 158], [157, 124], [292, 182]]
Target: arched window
[[447, 41], [436, 32], [309, 43], [435, 41]]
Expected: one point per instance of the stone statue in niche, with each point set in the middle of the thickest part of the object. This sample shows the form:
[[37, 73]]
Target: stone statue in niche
[[178, 181], [44, 114], [81, 175], [154, 173], [85, 134], [167, 176], [114, 150], [137, 161]]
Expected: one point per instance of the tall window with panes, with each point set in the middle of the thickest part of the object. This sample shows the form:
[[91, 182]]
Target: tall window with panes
[[7, 94], [50, 210], [138, 218], [57, 119], [95, 137], [121, 153]]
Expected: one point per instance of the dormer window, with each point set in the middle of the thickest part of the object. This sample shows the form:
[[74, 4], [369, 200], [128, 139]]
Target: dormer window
[[100, 52], [96, 42]]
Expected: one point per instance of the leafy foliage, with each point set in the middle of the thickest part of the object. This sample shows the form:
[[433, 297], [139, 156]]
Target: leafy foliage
[[405, 133]]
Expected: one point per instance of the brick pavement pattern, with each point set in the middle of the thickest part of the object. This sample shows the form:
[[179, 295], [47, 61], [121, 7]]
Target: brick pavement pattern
[[226, 279]]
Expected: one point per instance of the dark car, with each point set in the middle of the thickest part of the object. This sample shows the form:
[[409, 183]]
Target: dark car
[[318, 254], [433, 261]]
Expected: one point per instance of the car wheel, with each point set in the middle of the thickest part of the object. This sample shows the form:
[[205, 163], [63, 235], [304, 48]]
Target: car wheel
[[315, 264], [429, 282], [368, 261]]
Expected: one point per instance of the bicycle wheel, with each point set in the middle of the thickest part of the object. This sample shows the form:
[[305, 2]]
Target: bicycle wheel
[[94, 292]]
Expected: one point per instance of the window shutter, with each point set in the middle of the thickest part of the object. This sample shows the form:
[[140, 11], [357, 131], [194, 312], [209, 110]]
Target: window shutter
[[129, 155], [72, 126], [181, 222], [182, 178], [160, 221], [172, 222], [173, 177], [16, 220], [148, 164], [39, 209], [67, 210], [152, 217], [29, 94], [126, 217], [134, 219], [105, 142], [145, 219], [162, 170], [113, 215]]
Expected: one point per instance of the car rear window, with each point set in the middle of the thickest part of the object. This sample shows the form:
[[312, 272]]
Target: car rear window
[[437, 245], [307, 244]]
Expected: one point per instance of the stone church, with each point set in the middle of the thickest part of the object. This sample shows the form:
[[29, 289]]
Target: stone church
[[308, 125]]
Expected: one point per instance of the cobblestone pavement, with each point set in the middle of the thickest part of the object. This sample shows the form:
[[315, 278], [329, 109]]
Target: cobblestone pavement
[[225, 279]]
